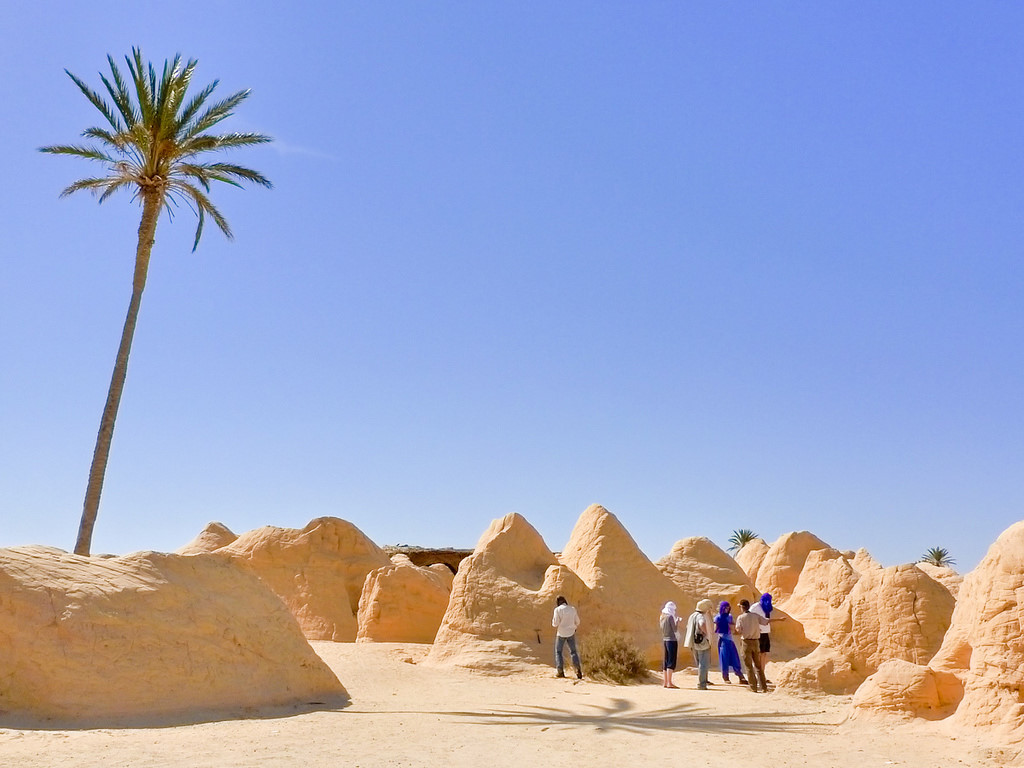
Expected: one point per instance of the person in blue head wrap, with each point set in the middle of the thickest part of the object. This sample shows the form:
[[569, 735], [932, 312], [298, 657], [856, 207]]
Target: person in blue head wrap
[[728, 656], [763, 608]]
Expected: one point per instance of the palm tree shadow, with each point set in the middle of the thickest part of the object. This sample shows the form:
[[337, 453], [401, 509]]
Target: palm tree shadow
[[621, 715]]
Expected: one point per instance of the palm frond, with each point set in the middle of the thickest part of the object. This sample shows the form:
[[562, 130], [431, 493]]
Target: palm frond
[[97, 101], [119, 93], [225, 172], [93, 185], [202, 205], [196, 104], [89, 153], [219, 111], [143, 92], [209, 142]]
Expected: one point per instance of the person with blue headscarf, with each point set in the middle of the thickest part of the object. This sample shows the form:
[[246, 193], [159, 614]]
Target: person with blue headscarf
[[728, 656], [763, 608]]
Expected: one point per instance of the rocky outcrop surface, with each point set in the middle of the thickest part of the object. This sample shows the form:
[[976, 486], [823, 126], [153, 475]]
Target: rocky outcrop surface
[[750, 557], [146, 637], [826, 580], [893, 613], [701, 569], [499, 616], [782, 564], [317, 571], [213, 536], [909, 690], [627, 591], [945, 575], [980, 666], [403, 603]]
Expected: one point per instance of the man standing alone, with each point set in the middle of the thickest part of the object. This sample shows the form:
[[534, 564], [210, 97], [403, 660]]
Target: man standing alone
[[748, 625], [565, 620]]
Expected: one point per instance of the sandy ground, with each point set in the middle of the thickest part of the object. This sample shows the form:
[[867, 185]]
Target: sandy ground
[[404, 713]]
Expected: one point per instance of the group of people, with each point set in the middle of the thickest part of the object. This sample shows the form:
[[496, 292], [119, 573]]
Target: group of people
[[753, 626]]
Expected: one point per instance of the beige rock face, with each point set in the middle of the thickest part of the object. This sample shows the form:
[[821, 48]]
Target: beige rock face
[[627, 591], [499, 616], [750, 557], [826, 579], [895, 613], [146, 636], [780, 568], [701, 569], [402, 603], [213, 536], [904, 688], [946, 576], [984, 647], [318, 571]]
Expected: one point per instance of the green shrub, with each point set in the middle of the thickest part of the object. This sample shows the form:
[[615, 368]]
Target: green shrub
[[611, 657]]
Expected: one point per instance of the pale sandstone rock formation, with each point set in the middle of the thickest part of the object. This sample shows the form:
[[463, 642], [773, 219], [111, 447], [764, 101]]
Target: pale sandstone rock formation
[[403, 603], [145, 637], [780, 568], [894, 613], [863, 561], [827, 578], [909, 690], [317, 571], [701, 569], [750, 557], [984, 647], [213, 536], [627, 591], [946, 576], [499, 615]]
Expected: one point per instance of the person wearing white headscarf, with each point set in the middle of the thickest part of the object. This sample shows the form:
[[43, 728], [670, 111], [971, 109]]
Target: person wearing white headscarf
[[669, 623], [698, 640]]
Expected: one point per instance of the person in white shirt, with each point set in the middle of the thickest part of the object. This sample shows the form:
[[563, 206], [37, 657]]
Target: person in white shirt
[[565, 621]]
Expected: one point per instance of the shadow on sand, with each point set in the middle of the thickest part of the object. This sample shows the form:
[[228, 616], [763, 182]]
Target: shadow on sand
[[622, 715]]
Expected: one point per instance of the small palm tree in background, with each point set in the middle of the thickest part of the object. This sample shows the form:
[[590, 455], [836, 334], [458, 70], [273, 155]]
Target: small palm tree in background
[[741, 538], [152, 147], [938, 556]]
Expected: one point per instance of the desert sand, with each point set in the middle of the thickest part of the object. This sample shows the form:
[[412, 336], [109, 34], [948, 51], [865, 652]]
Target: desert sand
[[403, 712]]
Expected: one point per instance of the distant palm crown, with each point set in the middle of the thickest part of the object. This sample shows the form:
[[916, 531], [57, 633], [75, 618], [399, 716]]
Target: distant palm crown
[[154, 139]]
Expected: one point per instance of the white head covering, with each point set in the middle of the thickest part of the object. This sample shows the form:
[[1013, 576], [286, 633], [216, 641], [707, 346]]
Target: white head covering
[[670, 609]]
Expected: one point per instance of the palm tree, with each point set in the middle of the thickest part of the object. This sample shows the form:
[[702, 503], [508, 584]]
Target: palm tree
[[741, 538], [153, 148], [937, 556]]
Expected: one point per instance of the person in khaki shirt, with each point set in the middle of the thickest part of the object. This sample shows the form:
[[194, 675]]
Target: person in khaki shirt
[[748, 626]]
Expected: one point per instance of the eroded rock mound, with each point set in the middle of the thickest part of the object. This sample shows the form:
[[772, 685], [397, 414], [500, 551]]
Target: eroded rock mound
[[904, 688], [827, 578], [984, 647], [403, 603], [945, 575], [146, 636], [213, 536], [627, 591], [317, 571], [750, 557], [499, 616], [893, 613], [782, 564], [701, 569]]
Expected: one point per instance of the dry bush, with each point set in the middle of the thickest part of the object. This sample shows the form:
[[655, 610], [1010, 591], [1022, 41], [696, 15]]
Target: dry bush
[[611, 657]]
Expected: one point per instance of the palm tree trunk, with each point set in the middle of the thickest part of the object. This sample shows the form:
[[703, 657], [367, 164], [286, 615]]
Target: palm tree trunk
[[152, 201]]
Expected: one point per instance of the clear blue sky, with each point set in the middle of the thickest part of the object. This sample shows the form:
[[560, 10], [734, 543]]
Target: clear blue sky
[[712, 265]]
